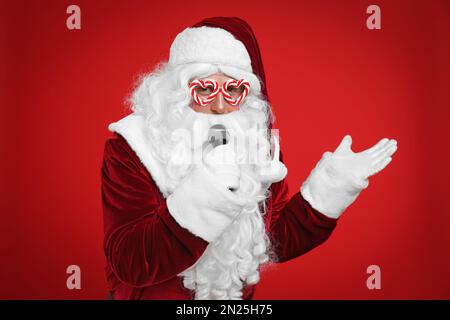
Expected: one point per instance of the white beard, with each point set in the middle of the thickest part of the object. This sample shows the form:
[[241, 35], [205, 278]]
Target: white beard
[[231, 261], [235, 258]]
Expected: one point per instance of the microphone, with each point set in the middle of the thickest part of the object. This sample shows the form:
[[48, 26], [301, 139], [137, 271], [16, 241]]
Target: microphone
[[218, 135], [214, 158]]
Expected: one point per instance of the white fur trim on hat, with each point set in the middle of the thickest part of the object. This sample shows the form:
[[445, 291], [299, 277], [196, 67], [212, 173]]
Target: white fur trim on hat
[[209, 45]]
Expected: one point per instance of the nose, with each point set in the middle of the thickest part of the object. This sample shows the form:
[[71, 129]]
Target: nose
[[218, 105]]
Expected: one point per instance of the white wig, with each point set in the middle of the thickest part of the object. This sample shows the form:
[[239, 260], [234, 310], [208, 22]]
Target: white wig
[[165, 92]]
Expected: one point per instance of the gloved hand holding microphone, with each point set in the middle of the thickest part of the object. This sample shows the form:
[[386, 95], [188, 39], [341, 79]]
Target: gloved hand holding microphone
[[205, 202]]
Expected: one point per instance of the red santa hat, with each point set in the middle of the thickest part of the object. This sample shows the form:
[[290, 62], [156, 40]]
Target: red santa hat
[[220, 40]]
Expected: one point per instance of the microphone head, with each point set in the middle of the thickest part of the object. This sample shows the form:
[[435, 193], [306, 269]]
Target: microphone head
[[218, 135]]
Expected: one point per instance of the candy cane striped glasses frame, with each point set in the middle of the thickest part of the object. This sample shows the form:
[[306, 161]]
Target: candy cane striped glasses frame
[[216, 89]]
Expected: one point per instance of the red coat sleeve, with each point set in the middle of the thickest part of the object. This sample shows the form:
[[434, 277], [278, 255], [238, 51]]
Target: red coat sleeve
[[143, 244], [295, 227]]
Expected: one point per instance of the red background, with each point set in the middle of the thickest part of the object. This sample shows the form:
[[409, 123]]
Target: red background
[[60, 89]]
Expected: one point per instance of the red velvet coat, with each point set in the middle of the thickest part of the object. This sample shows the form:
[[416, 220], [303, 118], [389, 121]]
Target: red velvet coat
[[146, 248]]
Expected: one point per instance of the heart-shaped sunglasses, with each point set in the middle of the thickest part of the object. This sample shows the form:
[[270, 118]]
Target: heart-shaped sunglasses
[[205, 91]]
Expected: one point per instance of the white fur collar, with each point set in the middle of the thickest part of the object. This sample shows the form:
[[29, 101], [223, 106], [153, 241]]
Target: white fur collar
[[132, 128]]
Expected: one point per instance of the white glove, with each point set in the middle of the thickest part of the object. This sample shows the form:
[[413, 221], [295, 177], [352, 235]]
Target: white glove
[[222, 161], [339, 177], [203, 203]]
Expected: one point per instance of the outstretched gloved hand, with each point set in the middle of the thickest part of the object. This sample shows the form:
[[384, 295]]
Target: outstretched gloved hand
[[339, 177]]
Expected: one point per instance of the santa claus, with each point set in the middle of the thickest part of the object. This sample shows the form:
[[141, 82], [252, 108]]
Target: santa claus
[[194, 196]]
